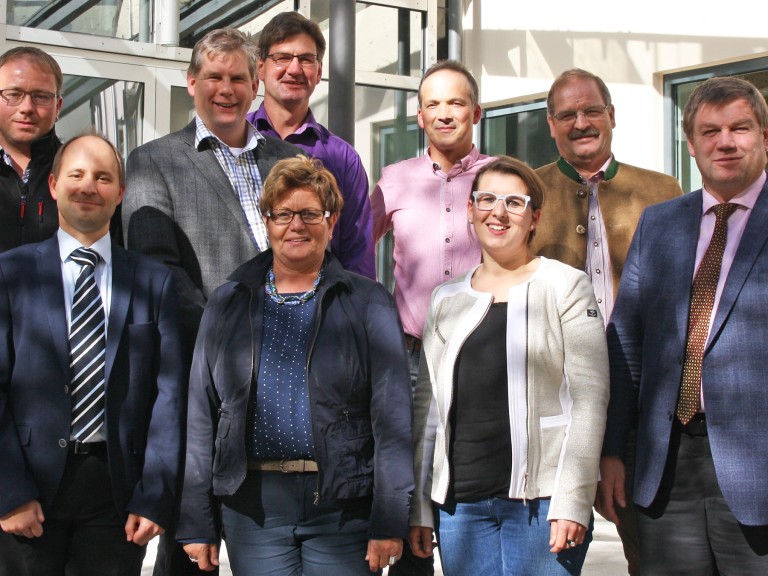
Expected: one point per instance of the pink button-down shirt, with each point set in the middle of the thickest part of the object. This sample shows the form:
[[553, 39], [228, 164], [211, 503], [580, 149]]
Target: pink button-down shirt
[[427, 210]]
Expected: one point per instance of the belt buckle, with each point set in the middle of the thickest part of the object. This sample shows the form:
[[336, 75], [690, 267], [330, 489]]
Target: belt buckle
[[80, 448], [283, 470]]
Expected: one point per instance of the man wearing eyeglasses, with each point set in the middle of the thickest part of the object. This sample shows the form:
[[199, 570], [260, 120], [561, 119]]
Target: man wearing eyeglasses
[[593, 205], [192, 196], [30, 101], [291, 50]]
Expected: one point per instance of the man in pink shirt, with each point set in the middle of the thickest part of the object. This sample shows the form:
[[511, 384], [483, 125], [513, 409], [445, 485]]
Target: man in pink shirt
[[424, 200]]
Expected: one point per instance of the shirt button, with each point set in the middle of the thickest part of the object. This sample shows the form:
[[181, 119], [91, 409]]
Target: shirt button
[[62, 443], [447, 209], [580, 229], [447, 240], [66, 389], [592, 218], [595, 244], [581, 193], [448, 179], [597, 271], [599, 300], [591, 193], [447, 272]]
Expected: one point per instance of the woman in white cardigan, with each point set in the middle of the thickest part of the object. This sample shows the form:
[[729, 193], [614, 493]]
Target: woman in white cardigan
[[511, 399]]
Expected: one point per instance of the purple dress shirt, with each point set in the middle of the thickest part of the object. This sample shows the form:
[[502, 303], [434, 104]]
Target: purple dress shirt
[[427, 209], [352, 240]]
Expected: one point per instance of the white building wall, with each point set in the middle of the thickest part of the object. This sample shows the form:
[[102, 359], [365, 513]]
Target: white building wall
[[515, 49]]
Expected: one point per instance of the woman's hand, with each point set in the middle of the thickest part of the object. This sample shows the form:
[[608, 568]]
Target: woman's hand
[[565, 534], [380, 551], [206, 556], [421, 541]]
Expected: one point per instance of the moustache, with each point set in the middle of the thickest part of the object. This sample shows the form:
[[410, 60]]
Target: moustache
[[576, 134]]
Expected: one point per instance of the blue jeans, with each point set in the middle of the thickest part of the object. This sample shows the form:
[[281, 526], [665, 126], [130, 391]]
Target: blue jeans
[[505, 537], [272, 526]]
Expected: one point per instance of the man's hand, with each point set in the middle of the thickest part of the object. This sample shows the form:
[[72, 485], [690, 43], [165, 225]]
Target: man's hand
[[610, 489], [206, 556], [380, 551], [140, 530], [26, 520], [421, 541]]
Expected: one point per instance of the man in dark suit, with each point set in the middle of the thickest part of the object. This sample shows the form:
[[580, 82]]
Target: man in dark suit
[[687, 342], [192, 198], [91, 395]]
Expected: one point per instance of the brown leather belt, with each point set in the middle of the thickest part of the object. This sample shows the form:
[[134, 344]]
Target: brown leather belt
[[285, 466], [412, 344]]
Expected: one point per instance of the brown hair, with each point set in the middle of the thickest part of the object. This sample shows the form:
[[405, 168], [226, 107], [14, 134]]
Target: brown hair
[[453, 66], [286, 25], [719, 92], [40, 58], [569, 75], [59, 157], [301, 172], [222, 42]]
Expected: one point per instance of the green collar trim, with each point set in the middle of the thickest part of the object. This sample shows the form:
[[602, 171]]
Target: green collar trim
[[571, 172]]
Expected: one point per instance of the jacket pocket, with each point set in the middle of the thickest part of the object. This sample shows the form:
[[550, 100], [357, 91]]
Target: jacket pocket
[[552, 435]]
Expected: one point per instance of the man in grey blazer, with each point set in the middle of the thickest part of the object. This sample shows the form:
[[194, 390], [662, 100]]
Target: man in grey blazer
[[192, 196], [687, 345]]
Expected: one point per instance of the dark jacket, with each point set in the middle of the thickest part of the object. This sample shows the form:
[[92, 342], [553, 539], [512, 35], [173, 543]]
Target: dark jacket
[[359, 392], [39, 218]]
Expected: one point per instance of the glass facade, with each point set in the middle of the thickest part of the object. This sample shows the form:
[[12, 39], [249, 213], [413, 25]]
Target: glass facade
[[521, 131]]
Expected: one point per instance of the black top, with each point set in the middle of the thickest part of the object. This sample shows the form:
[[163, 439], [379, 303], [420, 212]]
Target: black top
[[27, 211], [481, 449]]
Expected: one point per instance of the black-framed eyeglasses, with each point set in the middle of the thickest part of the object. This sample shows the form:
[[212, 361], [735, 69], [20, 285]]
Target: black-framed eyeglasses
[[591, 113], [284, 59], [285, 217], [514, 203], [14, 97]]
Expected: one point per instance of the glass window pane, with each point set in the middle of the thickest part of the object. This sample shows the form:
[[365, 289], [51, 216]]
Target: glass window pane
[[380, 31], [126, 19], [386, 132], [521, 131], [182, 108], [114, 108]]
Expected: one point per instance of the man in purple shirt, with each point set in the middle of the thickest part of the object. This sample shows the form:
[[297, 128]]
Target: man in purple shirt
[[424, 201], [290, 65]]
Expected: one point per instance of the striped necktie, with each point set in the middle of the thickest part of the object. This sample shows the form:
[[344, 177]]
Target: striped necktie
[[702, 301], [87, 348]]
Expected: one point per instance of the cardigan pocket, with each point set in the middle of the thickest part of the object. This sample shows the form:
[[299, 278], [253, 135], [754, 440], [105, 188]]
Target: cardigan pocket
[[551, 438]]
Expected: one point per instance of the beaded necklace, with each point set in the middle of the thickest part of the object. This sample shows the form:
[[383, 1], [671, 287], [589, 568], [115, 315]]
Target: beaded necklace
[[291, 299]]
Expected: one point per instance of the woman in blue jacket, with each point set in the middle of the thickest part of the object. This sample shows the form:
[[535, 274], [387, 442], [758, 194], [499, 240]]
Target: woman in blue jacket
[[299, 430]]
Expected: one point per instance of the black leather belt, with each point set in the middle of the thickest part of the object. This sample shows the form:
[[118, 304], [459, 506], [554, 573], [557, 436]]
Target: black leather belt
[[696, 427], [76, 447]]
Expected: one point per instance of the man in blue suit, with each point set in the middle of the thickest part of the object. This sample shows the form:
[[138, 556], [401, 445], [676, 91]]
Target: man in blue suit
[[84, 485], [691, 366]]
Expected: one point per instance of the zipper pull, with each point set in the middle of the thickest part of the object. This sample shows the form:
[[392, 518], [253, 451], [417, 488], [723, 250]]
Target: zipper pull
[[317, 499], [346, 414]]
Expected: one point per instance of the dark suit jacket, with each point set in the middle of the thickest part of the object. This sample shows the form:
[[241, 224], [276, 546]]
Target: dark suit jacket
[[647, 337], [145, 399], [181, 208]]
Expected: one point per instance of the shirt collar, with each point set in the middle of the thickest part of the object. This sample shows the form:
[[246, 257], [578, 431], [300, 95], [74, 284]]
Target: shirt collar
[[261, 121], [746, 198], [68, 244], [202, 134], [462, 165]]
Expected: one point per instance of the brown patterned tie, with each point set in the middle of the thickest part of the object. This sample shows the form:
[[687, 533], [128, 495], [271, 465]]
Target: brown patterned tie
[[702, 300]]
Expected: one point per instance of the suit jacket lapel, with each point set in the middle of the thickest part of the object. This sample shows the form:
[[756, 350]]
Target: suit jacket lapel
[[48, 262], [122, 288], [752, 243], [685, 254], [206, 162]]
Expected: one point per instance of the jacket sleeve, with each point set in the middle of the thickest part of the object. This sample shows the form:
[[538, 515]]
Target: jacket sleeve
[[425, 421], [586, 372], [16, 484], [625, 353], [149, 226], [155, 495], [391, 406], [199, 507]]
